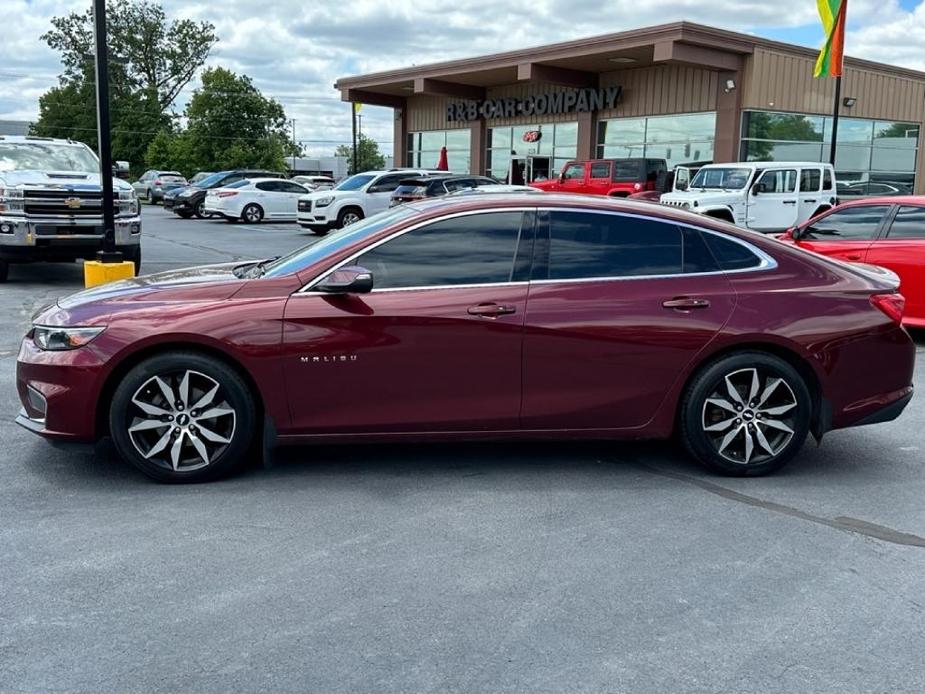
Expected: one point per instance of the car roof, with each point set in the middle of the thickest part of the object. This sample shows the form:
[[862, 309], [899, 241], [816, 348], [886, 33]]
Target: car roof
[[262, 179], [916, 200], [764, 164]]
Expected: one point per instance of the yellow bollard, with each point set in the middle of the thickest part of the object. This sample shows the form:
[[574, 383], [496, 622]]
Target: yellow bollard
[[96, 273]]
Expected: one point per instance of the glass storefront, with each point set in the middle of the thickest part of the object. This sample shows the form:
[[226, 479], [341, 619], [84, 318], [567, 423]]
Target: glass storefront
[[872, 158], [681, 139], [424, 149], [556, 145]]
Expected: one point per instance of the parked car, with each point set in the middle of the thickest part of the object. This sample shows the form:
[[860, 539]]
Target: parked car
[[189, 201], [51, 205], [495, 188], [200, 176], [871, 188], [473, 316], [764, 196], [154, 184], [253, 200], [888, 232], [668, 182], [313, 183], [354, 198], [613, 177], [421, 187]]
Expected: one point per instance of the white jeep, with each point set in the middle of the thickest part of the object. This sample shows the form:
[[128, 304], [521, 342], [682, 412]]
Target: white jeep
[[354, 198], [764, 196]]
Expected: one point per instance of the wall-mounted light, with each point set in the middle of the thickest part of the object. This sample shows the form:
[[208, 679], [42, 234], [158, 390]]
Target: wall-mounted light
[[622, 59], [849, 101], [729, 86]]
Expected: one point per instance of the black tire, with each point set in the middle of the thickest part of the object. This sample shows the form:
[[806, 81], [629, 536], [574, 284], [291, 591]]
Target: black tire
[[757, 414], [4, 271], [150, 196], [135, 256], [184, 214], [232, 394], [348, 216], [252, 213], [200, 210]]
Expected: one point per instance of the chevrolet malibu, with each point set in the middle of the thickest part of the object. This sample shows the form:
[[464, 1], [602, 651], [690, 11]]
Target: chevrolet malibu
[[478, 317]]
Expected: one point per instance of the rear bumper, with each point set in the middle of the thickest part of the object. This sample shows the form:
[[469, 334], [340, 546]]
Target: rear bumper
[[888, 412]]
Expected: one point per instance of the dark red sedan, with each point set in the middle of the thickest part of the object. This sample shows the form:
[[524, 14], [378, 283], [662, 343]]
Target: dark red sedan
[[481, 317], [889, 232]]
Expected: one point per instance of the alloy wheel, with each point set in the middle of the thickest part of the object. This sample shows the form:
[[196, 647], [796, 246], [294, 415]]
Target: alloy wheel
[[751, 416], [252, 214], [351, 218], [181, 420]]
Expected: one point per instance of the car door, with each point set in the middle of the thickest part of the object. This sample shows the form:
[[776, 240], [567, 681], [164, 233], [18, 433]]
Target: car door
[[773, 201], [379, 192], [845, 233], [290, 193], [269, 197], [619, 305], [810, 193], [598, 178], [435, 346], [572, 179], [901, 248]]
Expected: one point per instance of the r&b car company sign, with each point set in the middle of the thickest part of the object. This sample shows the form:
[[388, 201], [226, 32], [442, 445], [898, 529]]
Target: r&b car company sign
[[570, 101]]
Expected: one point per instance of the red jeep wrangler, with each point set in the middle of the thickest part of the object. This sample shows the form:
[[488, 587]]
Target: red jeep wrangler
[[616, 177]]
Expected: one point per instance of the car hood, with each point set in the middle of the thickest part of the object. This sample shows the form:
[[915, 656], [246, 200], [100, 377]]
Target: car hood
[[206, 283], [706, 197], [60, 179]]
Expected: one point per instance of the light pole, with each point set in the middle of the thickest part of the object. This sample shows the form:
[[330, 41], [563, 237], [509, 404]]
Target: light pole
[[109, 254], [294, 143]]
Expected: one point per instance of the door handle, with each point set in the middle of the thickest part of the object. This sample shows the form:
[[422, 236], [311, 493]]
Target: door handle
[[490, 310], [853, 256], [810, 200], [685, 303], [789, 202]]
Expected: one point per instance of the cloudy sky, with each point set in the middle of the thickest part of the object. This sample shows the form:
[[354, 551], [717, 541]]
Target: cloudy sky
[[295, 49]]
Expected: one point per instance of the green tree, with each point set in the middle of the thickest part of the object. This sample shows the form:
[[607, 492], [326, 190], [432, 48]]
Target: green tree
[[368, 156], [158, 58], [230, 124]]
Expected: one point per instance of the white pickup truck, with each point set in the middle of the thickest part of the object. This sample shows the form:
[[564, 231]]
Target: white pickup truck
[[354, 198], [51, 204], [764, 196]]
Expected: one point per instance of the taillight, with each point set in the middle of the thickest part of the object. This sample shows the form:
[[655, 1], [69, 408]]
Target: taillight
[[892, 305], [227, 193], [157, 181]]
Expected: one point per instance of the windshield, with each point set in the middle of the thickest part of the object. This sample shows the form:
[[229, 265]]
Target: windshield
[[354, 182], [47, 156], [212, 180], [335, 241], [727, 178]]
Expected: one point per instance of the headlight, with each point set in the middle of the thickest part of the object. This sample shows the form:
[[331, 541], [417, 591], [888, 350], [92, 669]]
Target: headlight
[[11, 200], [57, 339], [686, 205], [187, 194], [128, 202], [325, 201]]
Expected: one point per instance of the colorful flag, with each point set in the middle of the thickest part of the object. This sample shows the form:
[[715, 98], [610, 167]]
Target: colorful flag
[[832, 13]]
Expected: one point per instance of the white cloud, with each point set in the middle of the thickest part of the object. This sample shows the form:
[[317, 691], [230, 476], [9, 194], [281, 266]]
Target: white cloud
[[295, 50]]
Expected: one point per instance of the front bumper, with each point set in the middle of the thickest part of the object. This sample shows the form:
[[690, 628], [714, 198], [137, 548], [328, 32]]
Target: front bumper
[[317, 218], [57, 238]]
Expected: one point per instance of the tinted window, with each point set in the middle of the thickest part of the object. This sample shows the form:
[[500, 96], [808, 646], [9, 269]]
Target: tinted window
[[459, 184], [475, 249], [585, 245], [354, 182], [809, 180], [851, 223], [575, 172], [600, 170], [628, 170], [779, 180], [386, 184], [290, 187], [270, 186], [827, 180], [238, 184], [730, 254], [697, 256], [909, 223]]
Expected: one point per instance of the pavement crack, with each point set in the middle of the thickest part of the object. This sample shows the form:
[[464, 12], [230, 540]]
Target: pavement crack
[[843, 523]]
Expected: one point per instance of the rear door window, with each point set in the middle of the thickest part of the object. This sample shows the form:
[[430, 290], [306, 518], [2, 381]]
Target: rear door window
[[859, 223], [909, 223], [730, 254], [809, 180], [600, 169]]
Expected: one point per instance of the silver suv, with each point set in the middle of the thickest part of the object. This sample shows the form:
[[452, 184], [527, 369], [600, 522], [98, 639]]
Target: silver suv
[[51, 204]]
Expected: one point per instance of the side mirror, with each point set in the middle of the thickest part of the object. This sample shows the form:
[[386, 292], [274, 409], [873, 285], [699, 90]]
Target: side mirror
[[792, 233], [120, 169], [347, 280], [759, 188]]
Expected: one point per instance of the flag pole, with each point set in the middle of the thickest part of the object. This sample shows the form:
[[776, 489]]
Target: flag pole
[[353, 115], [835, 109]]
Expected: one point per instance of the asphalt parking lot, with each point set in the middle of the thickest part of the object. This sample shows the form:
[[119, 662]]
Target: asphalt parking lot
[[482, 568]]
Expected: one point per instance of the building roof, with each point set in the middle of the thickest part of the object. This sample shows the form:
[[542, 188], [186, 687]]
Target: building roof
[[578, 62]]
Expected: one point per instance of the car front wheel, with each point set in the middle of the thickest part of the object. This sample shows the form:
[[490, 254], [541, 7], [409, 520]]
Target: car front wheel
[[746, 414], [183, 417]]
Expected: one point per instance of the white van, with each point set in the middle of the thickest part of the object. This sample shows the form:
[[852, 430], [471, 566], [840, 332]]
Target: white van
[[764, 196]]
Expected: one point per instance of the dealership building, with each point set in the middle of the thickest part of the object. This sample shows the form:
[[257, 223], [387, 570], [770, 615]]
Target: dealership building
[[681, 92]]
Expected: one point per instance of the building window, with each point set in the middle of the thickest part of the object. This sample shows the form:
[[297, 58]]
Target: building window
[[424, 149], [556, 146], [872, 158], [681, 139]]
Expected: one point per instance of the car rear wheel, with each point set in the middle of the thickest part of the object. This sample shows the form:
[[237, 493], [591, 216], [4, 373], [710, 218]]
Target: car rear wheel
[[252, 214], [746, 414], [183, 417], [200, 210], [348, 216]]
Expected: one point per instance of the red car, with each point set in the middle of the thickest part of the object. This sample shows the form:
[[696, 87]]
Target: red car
[[478, 317], [889, 232], [612, 177]]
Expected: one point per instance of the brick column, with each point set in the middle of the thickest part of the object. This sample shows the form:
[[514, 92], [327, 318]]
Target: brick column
[[478, 133], [587, 136], [400, 137], [728, 118]]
